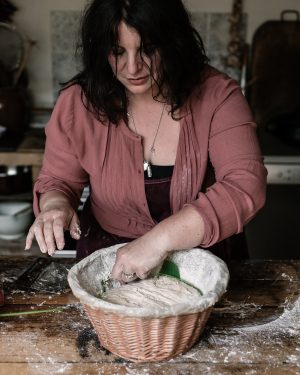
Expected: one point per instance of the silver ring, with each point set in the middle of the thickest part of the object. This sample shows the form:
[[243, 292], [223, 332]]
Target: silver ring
[[77, 229], [129, 275]]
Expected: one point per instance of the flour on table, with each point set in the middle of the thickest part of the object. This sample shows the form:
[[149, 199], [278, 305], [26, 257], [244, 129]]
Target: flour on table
[[289, 319], [154, 292]]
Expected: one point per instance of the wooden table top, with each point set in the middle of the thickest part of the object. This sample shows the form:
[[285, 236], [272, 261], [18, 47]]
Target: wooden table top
[[253, 329]]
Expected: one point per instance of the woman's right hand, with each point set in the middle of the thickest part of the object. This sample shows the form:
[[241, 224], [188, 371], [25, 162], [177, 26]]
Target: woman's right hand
[[48, 227]]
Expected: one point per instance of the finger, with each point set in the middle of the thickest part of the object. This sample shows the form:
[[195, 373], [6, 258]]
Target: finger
[[117, 271], [29, 238], [142, 275], [58, 232], [39, 235], [74, 227], [129, 277], [143, 272], [127, 280], [49, 237]]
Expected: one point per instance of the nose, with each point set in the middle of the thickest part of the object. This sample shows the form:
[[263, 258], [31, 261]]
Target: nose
[[134, 63]]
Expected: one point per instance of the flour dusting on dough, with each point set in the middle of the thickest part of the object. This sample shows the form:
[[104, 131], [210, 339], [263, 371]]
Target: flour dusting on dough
[[154, 292]]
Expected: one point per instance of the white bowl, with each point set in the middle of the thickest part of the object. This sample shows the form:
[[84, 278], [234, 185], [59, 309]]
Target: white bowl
[[15, 219]]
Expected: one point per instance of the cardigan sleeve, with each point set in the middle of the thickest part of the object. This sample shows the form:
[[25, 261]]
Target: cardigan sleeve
[[61, 169], [240, 187]]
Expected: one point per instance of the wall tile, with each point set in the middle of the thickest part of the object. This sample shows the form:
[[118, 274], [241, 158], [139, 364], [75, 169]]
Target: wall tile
[[215, 34], [64, 36]]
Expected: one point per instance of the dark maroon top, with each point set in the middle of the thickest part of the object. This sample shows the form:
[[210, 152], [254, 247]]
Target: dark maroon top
[[157, 190]]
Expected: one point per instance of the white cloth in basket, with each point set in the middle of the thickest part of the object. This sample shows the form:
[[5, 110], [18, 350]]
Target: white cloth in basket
[[197, 267]]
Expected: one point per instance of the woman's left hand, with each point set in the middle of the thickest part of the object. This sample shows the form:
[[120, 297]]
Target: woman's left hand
[[137, 259], [182, 230]]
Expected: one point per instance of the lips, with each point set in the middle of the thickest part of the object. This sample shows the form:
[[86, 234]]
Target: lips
[[138, 81]]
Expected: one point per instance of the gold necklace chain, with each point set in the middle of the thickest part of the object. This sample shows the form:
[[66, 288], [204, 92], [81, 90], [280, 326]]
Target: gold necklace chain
[[147, 163]]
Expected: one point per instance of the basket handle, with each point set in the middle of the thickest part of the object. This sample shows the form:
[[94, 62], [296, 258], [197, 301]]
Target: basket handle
[[290, 11]]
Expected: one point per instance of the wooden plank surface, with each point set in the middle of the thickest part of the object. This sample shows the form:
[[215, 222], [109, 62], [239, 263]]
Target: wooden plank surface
[[254, 329], [145, 369]]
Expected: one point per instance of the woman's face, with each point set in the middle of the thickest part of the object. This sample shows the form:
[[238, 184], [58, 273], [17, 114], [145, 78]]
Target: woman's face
[[136, 69]]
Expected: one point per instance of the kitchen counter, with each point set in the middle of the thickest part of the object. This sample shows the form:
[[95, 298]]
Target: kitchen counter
[[254, 329], [29, 152]]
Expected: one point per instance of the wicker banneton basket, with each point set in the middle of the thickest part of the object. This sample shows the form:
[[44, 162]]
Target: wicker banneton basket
[[150, 334]]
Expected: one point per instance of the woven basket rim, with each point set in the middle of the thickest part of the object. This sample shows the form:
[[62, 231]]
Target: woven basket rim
[[199, 304]]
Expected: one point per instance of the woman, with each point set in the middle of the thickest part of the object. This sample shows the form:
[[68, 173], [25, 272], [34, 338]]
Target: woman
[[166, 143]]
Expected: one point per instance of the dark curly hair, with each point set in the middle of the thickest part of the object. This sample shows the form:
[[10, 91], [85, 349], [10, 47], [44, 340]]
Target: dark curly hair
[[165, 24]]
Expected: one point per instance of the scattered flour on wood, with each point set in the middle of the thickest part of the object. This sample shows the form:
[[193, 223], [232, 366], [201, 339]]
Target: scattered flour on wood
[[259, 343], [288, 320]]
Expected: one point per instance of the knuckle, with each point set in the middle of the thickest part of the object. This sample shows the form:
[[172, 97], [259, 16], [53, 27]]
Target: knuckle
[[53, 214], [48, 238], [142, 275], [30, 232], [58, 223], [36, 230], [47, 225], [121, 256], [144, 270]]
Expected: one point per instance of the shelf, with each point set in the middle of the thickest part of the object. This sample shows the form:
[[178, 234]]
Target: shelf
[[27, 196], [30, 152]]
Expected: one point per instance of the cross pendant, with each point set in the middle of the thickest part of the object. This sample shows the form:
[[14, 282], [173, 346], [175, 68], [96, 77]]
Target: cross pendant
[[147, 167]]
